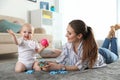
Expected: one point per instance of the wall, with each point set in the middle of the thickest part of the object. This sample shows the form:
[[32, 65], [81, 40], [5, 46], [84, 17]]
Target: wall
[[21, 8], [118, 21], [17, 8], [99, 14]]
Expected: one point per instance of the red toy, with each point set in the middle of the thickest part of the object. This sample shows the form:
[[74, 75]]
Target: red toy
[[44, 42]]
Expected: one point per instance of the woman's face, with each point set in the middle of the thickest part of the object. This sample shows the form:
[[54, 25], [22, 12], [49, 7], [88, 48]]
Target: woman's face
[[71, 35]]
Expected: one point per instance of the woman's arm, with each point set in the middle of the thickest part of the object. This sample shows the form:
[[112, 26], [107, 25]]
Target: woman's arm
[[55, 66], [71, 68]]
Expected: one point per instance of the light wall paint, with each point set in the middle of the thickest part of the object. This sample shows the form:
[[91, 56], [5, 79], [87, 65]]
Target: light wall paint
[[99, 14], [17, 8], [118, 21]]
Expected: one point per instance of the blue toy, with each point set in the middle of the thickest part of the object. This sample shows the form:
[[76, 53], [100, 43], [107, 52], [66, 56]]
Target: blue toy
[[42, 63], [62, 72], [29, 72], [53, 72], [58, 72]]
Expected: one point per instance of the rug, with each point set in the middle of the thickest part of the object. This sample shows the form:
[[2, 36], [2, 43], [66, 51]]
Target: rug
[[110, 72]]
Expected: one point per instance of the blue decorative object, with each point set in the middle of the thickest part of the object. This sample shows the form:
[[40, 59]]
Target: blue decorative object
[[29, 72], [44, 5], [52, 8]]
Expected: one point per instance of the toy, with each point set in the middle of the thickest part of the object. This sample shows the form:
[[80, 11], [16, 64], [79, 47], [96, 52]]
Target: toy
[[42, 63], [44, 42], [29, 72], [58, 72], [53, 72]]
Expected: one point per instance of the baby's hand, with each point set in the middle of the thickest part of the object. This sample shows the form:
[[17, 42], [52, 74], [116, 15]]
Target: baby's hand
[[10, 32]]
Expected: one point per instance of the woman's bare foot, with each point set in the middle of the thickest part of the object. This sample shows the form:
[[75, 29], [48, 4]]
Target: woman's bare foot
[[117, 26], [111, 32], [109, 35]]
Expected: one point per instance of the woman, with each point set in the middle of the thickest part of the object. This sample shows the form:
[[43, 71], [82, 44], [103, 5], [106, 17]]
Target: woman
[[81, 50]]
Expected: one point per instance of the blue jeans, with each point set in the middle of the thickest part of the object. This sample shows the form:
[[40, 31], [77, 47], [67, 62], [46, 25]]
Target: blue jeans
[[109, 50]]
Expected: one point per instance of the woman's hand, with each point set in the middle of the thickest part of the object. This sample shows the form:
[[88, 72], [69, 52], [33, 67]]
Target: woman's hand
[[52, 66], [45, 68]]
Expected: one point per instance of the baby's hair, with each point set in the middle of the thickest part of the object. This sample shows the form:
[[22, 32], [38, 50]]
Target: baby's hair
[[29, 26]]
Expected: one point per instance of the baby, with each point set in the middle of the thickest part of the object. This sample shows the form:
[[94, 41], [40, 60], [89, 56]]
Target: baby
[[27, 48]]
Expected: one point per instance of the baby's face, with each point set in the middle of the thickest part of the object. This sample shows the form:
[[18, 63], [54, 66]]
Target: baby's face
[[27, 33]]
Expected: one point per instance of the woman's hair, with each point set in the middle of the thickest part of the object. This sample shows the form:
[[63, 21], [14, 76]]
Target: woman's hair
[[90, 48]]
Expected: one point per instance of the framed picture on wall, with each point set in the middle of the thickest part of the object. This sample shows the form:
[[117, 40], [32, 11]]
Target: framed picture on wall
[[33, 0], [44, 5]]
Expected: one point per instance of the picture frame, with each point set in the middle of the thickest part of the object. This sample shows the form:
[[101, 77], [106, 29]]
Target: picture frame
[[33, 0], [44, 5]]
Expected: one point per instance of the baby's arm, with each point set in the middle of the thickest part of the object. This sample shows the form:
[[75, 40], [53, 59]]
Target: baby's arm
[[40, 49], [13, 35]]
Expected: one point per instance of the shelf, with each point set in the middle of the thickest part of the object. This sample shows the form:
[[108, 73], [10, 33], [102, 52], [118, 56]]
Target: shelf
[[41, 17], [47, 21], [47, 14]]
